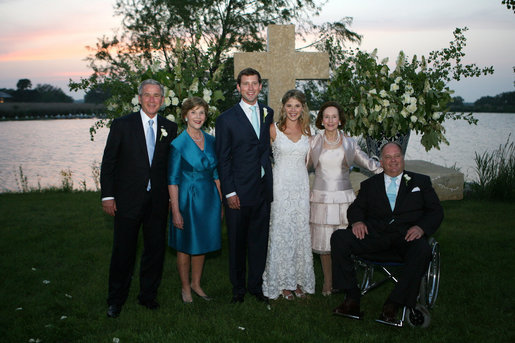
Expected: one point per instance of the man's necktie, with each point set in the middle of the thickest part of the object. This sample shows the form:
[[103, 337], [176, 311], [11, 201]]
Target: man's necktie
[[255, 125], [255, 120], [151, 141], [391, 192], [151, 144]]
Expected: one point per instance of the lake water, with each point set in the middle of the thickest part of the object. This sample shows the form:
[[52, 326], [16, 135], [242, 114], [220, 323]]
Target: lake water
[[43, 148]]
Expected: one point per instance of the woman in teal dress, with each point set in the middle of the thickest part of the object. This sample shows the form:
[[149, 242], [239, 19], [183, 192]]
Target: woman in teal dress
[[194, 188]]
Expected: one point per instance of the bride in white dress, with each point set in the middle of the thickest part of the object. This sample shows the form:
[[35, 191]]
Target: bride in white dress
[[289, 263]]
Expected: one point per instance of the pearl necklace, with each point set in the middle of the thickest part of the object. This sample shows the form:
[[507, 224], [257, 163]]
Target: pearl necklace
[[200, 139], [336, 142]]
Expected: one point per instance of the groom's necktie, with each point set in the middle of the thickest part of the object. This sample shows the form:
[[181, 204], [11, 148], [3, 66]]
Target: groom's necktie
[[255, 120], [151, 144], [255, 125], [391, 192]]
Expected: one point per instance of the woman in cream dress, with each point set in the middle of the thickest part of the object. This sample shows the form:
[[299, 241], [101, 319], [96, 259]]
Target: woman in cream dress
[[331, 155]]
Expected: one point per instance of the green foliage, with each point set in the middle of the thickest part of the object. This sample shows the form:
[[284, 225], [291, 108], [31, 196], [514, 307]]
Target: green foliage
[[496, 173], [42, 93], [66, 239], [66, 180], [22, 181], [380, 102], [510, 4], [187, 41], [23, 84], [49, 93], [504, 102], [97, 94], [181, 82]]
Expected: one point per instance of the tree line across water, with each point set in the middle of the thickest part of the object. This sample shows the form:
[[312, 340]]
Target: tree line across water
[[47, 100], [41, 93], [503, 103]]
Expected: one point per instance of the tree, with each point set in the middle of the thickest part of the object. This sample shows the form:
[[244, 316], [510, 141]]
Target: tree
[[190, 40], [457, 100], [159, 28], [510, 4], [97, 94], [49, 93], [23, 84]]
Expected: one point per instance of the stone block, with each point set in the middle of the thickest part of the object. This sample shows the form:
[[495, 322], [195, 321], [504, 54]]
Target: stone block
[[447, 182]]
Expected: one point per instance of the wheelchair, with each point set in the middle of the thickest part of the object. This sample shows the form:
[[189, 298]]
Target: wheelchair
[[418, 316]]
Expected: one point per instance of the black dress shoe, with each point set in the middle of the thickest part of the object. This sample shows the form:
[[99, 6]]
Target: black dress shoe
[[238, 298], [150, 304], [113, 311], [389, 316], [350, 309]]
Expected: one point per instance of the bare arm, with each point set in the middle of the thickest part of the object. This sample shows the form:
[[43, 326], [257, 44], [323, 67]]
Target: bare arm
[[273, 133]]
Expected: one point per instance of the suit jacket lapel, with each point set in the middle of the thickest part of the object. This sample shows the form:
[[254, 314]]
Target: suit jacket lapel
[[242, 117], [158, 133], [140, 136], [403, 190], [261, 115]]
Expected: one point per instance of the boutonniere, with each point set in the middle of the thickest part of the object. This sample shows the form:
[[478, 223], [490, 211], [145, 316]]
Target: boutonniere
[[163, 133], [265, 113], [406, 178]]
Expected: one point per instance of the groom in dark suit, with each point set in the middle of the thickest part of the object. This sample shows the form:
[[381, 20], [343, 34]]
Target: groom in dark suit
[[395, 210], [243, 151], [133, 179]]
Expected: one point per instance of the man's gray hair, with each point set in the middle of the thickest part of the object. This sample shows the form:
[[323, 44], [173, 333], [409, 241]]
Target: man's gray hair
[[387, 143], [150, 82]]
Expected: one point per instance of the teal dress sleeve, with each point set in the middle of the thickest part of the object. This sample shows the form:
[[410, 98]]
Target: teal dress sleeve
[[174, 166], [194, 171]]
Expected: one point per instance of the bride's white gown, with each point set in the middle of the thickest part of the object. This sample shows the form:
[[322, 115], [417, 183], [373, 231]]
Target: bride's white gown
[[289, 259]]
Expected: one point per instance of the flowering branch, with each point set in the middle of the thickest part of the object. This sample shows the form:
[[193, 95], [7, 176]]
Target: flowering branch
[[385, 103]]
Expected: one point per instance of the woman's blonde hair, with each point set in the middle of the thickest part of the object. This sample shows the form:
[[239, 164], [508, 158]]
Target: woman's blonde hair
[[304, 117]]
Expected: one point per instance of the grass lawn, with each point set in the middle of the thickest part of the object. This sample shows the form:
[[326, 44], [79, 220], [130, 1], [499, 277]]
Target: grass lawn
[[54, 256]]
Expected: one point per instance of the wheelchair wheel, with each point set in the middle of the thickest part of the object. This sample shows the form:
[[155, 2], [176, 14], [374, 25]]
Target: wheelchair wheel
[[431, 280], [419, 316]]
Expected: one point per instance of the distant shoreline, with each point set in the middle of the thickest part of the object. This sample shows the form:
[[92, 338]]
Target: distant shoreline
[[57, 110], [50, 110]]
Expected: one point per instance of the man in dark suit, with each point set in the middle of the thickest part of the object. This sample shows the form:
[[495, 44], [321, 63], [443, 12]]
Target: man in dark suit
[[133, 179], [243, 151], [395, 210]]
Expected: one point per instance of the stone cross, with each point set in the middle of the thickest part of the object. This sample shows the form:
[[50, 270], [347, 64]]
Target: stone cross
[[281, 65]]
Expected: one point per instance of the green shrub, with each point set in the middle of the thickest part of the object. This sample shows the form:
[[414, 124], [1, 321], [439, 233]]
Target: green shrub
[[496, 173]]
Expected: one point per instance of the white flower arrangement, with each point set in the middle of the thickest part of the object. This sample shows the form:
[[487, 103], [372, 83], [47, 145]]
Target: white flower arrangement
[[383, 103], [265, 113]]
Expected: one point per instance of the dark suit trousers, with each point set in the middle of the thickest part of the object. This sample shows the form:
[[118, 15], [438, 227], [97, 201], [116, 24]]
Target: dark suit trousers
[[416, 256], [247, 230], [124, 254]]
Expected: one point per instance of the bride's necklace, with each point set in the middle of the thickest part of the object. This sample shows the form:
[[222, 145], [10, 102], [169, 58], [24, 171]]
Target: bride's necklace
[[199, 139], [336, 142]]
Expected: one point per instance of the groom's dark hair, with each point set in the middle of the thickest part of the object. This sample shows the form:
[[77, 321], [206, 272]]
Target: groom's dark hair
[[248, 72]]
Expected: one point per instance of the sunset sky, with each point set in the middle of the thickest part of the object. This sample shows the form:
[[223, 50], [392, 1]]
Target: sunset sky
[[45, 41]]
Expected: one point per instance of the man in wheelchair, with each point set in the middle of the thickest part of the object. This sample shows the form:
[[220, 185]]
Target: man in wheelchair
[[394, 211]]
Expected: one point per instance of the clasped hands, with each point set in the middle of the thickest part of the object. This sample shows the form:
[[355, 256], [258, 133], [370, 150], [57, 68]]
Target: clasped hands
[[359, 229]]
